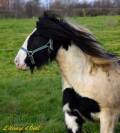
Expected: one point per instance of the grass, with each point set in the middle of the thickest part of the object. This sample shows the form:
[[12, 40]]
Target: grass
[[27, 99]]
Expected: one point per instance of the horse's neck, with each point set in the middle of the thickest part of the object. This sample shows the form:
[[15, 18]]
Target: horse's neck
[[74, 64]]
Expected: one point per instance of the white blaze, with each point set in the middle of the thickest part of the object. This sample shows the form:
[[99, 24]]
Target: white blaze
[[21, 55]]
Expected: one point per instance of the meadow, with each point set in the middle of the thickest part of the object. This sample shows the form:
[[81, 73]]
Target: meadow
[[36, 100]]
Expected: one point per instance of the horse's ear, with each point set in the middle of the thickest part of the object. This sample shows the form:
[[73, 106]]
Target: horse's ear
[[37, 24], [53, 15], [46, 13], [101, 61], [39, 18]]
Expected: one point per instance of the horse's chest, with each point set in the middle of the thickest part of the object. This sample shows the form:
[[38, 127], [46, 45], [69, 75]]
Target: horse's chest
[[99, 85], [96, 88], [80, 106]]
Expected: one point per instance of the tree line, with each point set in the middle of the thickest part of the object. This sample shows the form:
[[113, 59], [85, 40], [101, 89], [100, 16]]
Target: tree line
[[34, 8]]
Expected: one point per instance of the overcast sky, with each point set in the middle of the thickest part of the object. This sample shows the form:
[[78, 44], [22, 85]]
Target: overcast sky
[[45, 2]]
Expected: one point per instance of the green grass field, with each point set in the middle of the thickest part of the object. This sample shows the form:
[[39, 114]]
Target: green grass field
[[26, 99]]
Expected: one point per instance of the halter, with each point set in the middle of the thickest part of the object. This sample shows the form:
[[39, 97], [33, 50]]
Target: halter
[[30, 53]]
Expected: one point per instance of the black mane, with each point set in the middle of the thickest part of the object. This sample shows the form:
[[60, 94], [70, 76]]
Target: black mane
[[53, 26]]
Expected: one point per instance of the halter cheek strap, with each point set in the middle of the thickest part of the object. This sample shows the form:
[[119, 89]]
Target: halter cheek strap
[[30, 53]]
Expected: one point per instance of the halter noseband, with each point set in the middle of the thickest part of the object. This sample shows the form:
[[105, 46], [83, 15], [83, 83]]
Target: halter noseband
[[30, 53]]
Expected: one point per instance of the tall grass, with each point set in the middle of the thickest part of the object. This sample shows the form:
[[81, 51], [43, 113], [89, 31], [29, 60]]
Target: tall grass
[[36, 99]]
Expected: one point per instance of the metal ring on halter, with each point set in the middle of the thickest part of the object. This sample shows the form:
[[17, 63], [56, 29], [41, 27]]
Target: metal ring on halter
[[30, 55]]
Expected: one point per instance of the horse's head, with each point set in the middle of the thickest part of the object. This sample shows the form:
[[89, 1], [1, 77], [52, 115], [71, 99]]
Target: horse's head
[[50, 34], [42, 44], [35, 51]]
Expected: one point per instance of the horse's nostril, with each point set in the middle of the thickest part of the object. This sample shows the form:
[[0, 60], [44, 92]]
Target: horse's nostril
[[17, 65], [16, 61]]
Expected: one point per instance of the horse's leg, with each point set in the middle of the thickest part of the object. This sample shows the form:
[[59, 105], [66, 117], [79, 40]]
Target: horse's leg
[[73, 123], [108, 121], [73, 120]]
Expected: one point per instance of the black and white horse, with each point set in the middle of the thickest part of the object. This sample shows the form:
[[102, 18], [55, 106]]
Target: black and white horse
[[90, 75]]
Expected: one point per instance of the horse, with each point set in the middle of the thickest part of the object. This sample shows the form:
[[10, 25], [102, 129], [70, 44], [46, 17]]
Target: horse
[[90, 75]]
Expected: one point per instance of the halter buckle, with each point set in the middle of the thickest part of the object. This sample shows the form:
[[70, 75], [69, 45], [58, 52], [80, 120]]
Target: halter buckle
[[30, 55], [50, 47]]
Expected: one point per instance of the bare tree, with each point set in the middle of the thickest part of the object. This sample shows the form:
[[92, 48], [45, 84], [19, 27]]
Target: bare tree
[[32, 8], [117, 3]]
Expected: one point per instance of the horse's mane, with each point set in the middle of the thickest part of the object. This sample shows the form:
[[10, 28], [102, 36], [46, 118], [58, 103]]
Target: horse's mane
[[54, 26]]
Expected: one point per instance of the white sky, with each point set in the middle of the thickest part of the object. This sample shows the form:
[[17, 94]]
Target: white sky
[[44, 2]]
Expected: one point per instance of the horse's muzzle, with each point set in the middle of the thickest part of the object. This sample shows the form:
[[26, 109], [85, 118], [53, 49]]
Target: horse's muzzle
[[21, 66]]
